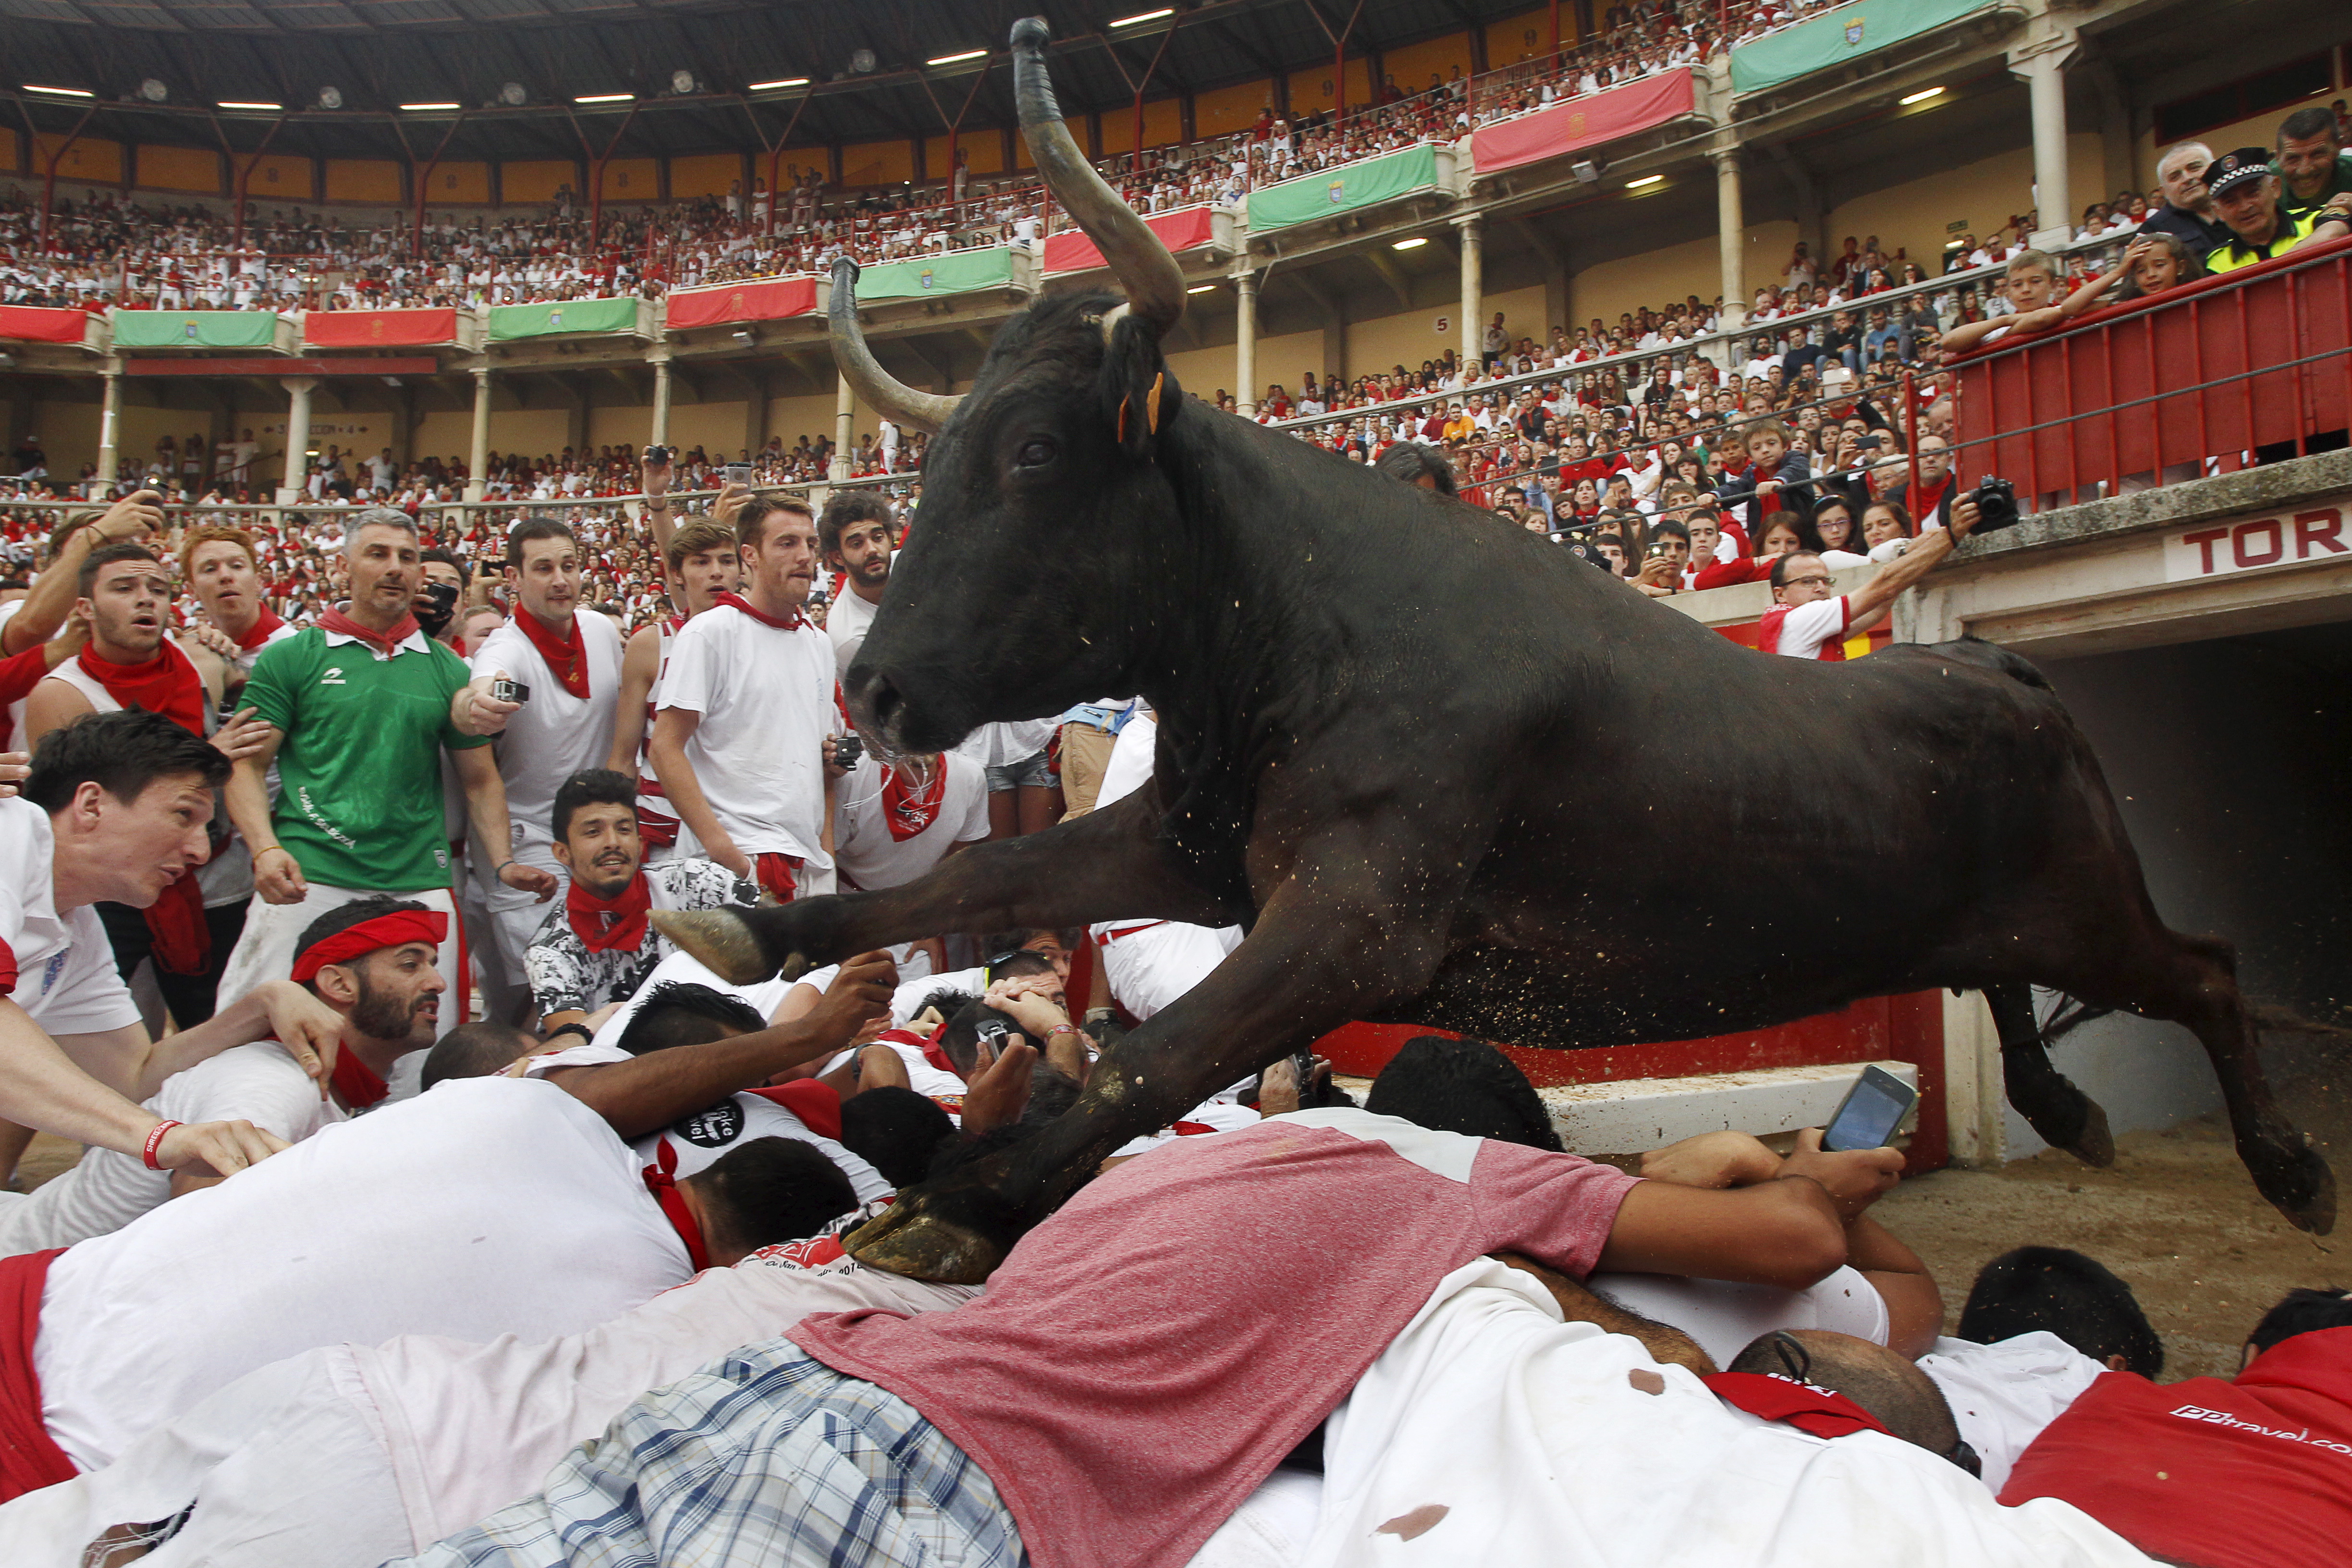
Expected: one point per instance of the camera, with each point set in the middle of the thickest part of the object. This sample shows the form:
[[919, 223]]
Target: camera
[[505, 690], [848, 749], [1996, 506], [433, 606], [736, 474], [656, 456]]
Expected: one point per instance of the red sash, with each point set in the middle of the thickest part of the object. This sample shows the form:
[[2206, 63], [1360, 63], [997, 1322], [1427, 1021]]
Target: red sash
[[907, 809], [566, 656], [933, 1052], [605, 924], [816, 1104], [1801, 1405], [263, 625], [356, 1081], [789, 623], [1767, 636], [333, 619], [662, 1183], [167, 684], [777, 873], [30, 1457]]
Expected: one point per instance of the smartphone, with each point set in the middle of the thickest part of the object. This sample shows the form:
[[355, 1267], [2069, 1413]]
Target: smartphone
[[1872, 1109], [736, 474], [503, 690]]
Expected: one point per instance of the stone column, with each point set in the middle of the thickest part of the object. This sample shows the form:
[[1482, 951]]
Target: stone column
[[1731, 239], [477, 456], [1471, 235], [845, 429], [660, 436], [1245, 342], [2043, 65], [109, 423], [297, 436]]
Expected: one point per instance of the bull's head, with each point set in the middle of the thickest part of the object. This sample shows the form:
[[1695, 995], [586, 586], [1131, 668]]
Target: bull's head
[[1047, 534]]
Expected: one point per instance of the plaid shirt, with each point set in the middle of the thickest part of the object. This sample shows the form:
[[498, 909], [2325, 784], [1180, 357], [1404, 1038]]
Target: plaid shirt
[[768, 1456]]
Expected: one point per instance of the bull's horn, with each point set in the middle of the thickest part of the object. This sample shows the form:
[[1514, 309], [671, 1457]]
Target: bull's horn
[[925, 411], [1145, 270]]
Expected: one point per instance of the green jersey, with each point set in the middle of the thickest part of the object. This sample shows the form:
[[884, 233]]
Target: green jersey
[[360, 769]]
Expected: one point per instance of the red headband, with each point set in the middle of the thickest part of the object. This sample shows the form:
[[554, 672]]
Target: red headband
[[385, 930]]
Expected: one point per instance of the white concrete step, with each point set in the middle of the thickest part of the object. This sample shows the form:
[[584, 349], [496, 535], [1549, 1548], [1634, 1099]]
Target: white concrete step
[[1631, 1115]]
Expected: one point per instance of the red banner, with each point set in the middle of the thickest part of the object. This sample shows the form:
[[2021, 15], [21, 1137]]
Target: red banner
[[1071, 251], [1586, 121], [379, 329], [36, 324], [771, 301]]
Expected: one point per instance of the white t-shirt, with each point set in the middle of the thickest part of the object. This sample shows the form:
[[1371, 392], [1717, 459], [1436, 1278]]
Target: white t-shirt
[[765, 997], [1808, 628], [847, 621], [60, 969], [106, 1190], [554, 735], [488, 1207], [907, 999], [1725, 1317], [863, 848], [2003, 1395], [473, 1427], [1130, 767], [766, 700]]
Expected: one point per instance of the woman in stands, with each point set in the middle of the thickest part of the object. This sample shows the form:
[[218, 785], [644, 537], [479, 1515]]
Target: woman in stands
[[1840, 539], [1886, 529]]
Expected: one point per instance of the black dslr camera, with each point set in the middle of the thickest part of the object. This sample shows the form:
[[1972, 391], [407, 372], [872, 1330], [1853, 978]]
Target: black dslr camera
[[1996, 506], [433, 606], [848, 749]]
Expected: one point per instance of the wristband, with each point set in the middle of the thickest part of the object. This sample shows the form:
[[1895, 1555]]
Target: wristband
[[583, 1030], [156, 1142], [500, 871], [1061, 1029]]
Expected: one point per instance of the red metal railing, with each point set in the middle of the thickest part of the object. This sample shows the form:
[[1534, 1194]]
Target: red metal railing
[[2255, 360]]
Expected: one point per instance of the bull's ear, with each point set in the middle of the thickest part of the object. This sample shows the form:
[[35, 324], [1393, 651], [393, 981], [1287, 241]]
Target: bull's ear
[[1138, 389]]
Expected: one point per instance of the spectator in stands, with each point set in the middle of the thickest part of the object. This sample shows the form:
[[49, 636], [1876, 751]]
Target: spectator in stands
[[2187, 212], [1938, 486], [2247, 194], [1808, 620], [2029, 284], [2310, 160], [1886, 529]]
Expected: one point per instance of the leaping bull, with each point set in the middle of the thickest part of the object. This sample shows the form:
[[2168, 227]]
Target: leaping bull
[[1446, 773]]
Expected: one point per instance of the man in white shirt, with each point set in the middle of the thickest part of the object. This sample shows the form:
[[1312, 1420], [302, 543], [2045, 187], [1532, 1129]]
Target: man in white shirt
[[116, 809], [371, 963], [570, 660], [895, 821], [1807, 620], [856, 534], [702, 564], [742, 738]]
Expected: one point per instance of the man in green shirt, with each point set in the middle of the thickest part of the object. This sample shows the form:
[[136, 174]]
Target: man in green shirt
[[363, 704], [2312, 161]]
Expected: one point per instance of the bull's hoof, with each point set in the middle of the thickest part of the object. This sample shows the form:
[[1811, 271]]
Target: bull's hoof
[[2295, 1181], [724, 942], [2094, 1145], [924, 1245], [2065, 1117]]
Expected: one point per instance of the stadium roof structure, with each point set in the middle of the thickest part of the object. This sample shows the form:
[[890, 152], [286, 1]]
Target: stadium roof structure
[[692, 75]]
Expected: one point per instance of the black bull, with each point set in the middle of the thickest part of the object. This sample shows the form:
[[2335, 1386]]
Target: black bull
[[1450, 775]]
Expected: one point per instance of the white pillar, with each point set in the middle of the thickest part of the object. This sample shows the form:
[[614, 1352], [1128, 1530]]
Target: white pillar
[[2043, 65], [1245, 343], [478, 457], [844, 428], [1470, 234], [661, 398], [297, 436], [1731, 239], [109, 423]]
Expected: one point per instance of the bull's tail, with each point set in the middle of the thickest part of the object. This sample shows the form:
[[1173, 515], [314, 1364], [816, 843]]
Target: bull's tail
[[1993, 657]]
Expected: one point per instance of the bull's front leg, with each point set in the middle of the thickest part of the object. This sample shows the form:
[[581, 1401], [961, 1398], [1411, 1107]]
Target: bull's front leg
[[1325, 949], [1106, 865]]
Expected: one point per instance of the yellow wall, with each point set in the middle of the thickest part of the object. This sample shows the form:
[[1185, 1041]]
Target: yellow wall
[[362, 180], [1077, 124], [1984, 195], [1310, 87], [1163, 125], [8, 149], [445, 434], [90, 159], [537, 181], [1662, 276], [877, 164], [1228, 109], [716, 428], [705, 175], [277, 177], [458, 185], [630, 427], [633, 180], [1525, 37], [179, 169], [532, 432], [983, 153], [1412, 64]]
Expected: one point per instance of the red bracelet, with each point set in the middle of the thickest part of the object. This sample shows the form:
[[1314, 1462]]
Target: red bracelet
[[156, 1142]]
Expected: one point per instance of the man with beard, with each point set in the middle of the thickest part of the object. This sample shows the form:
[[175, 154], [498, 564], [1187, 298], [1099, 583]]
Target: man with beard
[[129, 663], [568, 658], [703, 565], [371, 963], [595, 949], [856, 534]]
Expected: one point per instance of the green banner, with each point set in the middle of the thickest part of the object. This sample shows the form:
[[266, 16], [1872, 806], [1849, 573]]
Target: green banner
[[511, 321], [1840, 35], [957, 272], [1343, 189], [196, 328]]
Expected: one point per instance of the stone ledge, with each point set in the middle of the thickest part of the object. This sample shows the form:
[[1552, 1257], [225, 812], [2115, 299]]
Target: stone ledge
[[1633, 1115]]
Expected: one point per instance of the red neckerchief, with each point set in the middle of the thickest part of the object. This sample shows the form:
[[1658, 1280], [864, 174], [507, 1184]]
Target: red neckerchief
[[738, 601], [166, 684], [1803, 1405], [264, 624], [605, 924], [933, 1051], [908, 810], [566, 656], [355, 1081], [817, 1105], [661, 1181], [334, 619]]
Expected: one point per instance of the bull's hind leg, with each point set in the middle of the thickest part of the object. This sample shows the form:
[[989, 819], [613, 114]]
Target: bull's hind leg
[[2063, 1114]]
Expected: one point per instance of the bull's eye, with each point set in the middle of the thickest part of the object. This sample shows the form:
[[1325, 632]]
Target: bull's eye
[[1036, 454]]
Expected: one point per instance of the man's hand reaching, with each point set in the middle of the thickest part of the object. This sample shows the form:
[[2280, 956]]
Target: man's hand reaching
[[312, 1032], [860, 990], [1712, 1160], [216, 1148], [1854, 1178], [999, 1091]]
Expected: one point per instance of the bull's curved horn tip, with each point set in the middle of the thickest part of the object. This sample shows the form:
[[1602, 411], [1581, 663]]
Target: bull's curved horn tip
[[720, 939], [1030, 33]]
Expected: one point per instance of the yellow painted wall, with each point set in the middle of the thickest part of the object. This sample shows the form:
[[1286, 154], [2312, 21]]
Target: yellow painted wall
[[10, 154], [1379, 345], [98, 161], [1229, 109], [716, 428], [1205, 372], [983, 152], [463, 184], [629, 428], [179, 169], [877, 164], [362, 180], [704, 174], [1163, 125], [447, 435], [1984, 195], [1525, 37], [533, 432], [1310, 87], [278, 177], [1662, 276], [1413, 64], [793, 162], [69, 433], [537, 180], [633, 180]]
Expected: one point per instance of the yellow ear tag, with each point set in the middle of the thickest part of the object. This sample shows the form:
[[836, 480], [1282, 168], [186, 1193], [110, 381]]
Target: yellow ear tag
[[1152, 401]]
